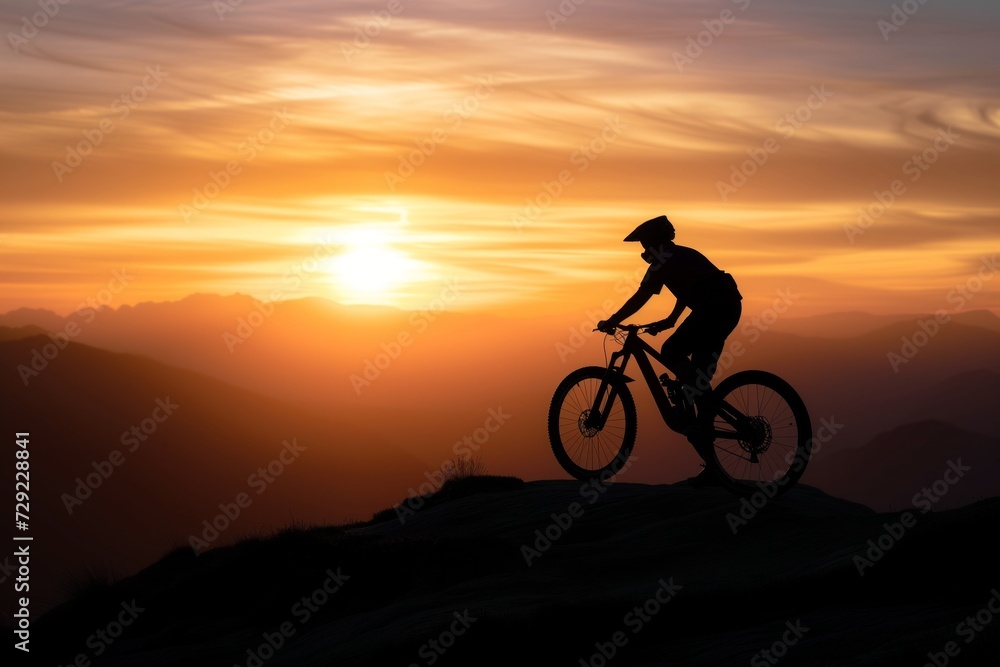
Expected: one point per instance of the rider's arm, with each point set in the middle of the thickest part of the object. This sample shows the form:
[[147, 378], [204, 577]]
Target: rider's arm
[[671, 319], [632, 306]]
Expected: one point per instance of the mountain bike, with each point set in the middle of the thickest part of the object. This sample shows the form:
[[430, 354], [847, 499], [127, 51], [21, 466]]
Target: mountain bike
[[752, 430]]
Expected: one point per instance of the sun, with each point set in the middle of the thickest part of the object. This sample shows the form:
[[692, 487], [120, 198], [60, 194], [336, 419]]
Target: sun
[[369, 270], [368, 273]]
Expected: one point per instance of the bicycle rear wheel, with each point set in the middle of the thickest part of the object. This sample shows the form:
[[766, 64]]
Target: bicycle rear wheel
[[583, 451], [769, 433]]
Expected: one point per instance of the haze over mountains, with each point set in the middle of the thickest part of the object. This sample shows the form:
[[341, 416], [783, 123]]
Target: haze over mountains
[[381, 399], [347, 360], [130, 457], [314, 352]]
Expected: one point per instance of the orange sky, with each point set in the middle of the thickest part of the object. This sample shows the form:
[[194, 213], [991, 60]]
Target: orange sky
[[408, 160]]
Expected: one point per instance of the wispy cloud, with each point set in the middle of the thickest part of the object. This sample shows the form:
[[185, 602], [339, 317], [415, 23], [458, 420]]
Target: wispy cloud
[[365, 90]]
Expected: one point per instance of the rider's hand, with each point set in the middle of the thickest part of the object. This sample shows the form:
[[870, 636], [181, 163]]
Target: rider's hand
[[662, 325], [606, 326]]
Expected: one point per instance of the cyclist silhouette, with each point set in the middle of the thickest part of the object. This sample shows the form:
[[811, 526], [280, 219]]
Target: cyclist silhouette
[[691, 352]]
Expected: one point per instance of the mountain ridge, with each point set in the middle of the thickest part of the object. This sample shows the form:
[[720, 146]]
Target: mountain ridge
[[658, 564], [120, 477], [896, 468]]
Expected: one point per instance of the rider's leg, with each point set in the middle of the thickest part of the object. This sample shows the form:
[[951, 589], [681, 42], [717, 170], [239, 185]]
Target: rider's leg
[[714, 328], [678, 348], [675, 353], [702, 335], [708, 346]]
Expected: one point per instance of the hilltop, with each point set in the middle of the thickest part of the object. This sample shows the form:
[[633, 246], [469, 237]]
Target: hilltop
[[557, 572]]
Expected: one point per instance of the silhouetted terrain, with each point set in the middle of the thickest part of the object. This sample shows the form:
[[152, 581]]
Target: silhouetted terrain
[[129, 457], [17, 333], [294, 374], [653, 575]]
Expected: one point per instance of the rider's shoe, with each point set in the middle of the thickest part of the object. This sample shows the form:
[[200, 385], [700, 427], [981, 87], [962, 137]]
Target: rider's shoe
[[688, 410], [675, 392]]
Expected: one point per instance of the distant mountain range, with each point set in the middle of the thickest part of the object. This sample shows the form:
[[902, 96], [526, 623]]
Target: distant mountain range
[[318, 353], [851, 324], [294, 376], [129, 457], [925, 464], [17, 333]]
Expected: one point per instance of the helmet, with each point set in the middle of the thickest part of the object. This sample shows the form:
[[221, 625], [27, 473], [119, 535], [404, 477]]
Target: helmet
[[655, 230]]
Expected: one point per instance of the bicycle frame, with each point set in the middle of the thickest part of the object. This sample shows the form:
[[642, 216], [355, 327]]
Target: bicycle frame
[[635, 346]]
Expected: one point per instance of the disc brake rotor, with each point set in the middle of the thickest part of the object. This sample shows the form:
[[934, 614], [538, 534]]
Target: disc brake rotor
[[756, 434], [587, 431]]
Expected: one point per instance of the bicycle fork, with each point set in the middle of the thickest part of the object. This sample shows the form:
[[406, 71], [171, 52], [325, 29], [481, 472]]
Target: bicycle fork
[[600, 410]]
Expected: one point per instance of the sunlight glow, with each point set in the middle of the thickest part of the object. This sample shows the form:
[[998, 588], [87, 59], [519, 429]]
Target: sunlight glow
[[370, 270]]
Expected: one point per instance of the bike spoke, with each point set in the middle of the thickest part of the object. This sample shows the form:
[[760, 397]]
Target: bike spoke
[[764, 426], [595, 451]]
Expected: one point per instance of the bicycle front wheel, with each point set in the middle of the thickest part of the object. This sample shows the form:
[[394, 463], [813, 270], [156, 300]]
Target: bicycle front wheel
[[768, 433], [585, 451]]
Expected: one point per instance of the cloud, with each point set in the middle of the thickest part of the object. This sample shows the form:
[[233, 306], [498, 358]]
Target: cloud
[[369, 95]]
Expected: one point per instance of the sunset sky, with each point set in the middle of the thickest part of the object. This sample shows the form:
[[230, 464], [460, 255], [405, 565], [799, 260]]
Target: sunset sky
[[219, 147]]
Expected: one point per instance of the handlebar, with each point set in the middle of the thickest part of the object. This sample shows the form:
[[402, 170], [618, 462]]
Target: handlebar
[[641, 328]]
